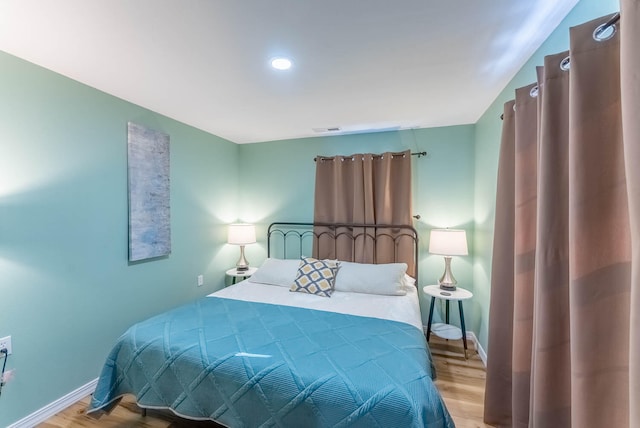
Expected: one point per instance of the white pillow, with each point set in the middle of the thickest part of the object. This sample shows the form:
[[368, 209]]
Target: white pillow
[[386, 279], [409, 281], [276, 272]]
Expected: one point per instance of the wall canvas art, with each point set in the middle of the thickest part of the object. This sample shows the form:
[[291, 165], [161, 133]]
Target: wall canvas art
[[149, 208]]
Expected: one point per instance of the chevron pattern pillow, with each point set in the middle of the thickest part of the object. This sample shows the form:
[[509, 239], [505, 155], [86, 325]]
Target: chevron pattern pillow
[[316, 277]]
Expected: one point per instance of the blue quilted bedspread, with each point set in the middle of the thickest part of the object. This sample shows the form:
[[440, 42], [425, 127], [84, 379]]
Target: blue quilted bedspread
[[247, 364]]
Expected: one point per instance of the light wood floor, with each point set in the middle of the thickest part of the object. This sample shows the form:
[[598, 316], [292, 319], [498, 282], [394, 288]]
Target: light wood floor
[[461, 383]]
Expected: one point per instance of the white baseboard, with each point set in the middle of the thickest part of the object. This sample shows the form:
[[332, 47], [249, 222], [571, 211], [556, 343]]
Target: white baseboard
[[483, 355], [471, 336], [57, 406]]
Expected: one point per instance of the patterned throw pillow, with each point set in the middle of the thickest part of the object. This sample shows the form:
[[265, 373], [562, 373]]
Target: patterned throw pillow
[[315, 277]]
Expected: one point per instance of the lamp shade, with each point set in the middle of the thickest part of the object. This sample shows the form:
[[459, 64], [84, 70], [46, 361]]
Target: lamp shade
[[241, 234], [448, 242]]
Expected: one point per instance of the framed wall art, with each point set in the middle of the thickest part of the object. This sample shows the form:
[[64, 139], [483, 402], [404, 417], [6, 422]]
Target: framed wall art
[[149, 203]]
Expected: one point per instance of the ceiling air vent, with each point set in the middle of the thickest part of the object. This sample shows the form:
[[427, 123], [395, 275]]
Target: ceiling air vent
[[329, 129]]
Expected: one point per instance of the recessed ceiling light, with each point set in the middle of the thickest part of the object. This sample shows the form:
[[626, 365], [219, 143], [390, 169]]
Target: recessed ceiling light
[[281, 63]]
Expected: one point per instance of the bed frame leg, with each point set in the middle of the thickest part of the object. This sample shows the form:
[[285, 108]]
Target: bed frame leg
[[144, 412]]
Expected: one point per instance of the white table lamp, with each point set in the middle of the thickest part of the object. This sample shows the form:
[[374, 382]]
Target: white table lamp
[[241, 234], [448, 242]]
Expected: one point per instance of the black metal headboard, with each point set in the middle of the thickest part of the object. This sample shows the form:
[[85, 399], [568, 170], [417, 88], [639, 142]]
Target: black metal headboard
[[282, 235]]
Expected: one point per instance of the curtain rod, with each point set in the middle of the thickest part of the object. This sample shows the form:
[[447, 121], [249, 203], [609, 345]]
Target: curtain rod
[[419, 154], [613, 21], [604, 27]]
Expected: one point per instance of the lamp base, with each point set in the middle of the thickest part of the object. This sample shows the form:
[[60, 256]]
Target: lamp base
[[447, 281], [242, 264]]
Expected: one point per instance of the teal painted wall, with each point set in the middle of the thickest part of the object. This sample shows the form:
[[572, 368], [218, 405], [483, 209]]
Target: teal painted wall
[[443, 190], [487, 140], [66, 288]]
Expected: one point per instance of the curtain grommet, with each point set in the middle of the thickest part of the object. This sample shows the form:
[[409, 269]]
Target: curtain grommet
[[533, 93], [565, 65], [604, 32]]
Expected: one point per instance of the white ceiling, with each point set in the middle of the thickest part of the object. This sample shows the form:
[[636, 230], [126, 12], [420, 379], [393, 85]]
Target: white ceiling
[[362, 65]]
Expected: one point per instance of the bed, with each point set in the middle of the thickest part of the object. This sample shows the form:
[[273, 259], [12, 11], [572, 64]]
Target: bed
[[257, 354]]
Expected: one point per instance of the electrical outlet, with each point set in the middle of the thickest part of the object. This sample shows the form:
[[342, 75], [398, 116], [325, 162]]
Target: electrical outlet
[[5, 343], [200, 280]]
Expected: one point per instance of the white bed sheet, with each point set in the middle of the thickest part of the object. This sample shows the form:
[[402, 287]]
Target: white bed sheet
[[404, 309]]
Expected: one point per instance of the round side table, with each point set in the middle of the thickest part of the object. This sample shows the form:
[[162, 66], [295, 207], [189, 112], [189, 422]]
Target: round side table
[[244, 274], [447, 331]]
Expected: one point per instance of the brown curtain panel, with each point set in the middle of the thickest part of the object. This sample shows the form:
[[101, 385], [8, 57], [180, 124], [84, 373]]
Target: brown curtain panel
[[499, 368], [563, 219], [363, 188], [630, 84]]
